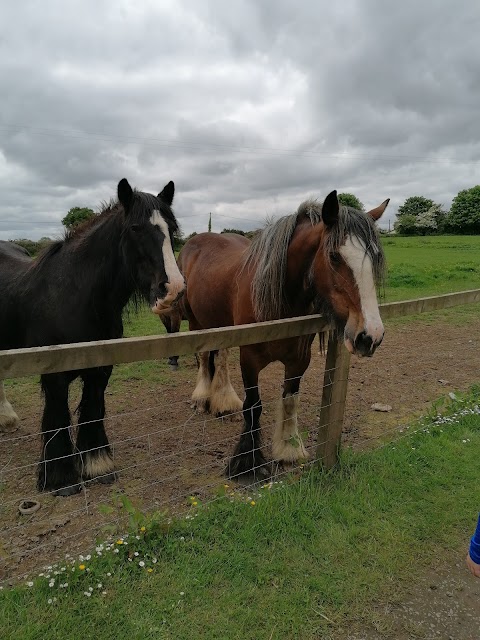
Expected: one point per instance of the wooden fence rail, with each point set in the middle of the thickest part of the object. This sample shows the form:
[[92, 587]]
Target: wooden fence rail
[[82, 355]]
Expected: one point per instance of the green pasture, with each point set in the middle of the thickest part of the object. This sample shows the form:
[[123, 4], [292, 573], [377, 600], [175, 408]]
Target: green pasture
[[316, 556], [431, 265]]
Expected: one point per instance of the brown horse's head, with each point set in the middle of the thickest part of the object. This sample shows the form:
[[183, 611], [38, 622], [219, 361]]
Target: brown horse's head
[[347, 265]]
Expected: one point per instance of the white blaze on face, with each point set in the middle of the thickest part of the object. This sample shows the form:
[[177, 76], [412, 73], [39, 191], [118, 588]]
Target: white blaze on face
[[360, 263], [176, 283]]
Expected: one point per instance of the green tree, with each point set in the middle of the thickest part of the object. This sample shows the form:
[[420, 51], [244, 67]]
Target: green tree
[[349, 200], [426, 222], [33, 247], [406, 225], [30, 245], [237, 231], [76, 216], [414, 206], [178, 240], [464, 216], [210, 223]]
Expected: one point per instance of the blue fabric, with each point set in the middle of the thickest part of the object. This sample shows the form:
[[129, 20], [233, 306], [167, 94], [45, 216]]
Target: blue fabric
[[475, 544]]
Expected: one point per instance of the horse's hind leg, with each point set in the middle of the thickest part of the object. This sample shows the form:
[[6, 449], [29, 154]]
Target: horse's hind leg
[[92, 442], [57, 471], [248, 460], [223, 397], [287, 443], [201, 394], [8, 418]]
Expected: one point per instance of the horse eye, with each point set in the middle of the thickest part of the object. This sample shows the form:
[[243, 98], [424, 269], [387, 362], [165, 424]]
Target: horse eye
[[135, 227], [335, 258]]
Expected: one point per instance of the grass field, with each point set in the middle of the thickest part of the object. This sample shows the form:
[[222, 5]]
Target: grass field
[[307, 559], [431, 266]]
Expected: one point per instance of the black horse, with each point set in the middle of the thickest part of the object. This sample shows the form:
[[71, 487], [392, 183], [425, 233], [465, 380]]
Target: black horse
[[75, 291]]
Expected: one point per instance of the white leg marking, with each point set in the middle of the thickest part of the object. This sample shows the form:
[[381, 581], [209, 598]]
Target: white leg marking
[[360, 263], [8, 418], [201, 394], [287, 444], [224, 398], [97, 464], [176, 283]]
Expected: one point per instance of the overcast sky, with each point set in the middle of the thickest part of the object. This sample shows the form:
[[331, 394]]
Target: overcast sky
[[249, 106]]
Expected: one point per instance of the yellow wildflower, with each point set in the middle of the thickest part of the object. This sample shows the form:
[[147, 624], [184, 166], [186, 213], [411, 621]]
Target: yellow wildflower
[[81, 567], [252, 503]]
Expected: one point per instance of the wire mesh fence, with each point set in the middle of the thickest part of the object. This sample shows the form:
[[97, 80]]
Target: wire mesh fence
[[168, 457], [164, 453]]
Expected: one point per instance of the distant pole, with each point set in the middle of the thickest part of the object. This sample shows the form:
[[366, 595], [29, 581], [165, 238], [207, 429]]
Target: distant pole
[[210, 222]]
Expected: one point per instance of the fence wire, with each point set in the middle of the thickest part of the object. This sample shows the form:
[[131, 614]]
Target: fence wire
[[166, 457]]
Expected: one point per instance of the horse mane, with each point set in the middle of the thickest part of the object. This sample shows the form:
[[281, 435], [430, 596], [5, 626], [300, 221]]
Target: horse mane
[[109, 210], [267, 254]]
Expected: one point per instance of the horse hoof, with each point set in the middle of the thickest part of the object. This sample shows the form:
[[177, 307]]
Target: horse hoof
[[173, 367], [200, 406], [67, 491], [228, 416], [108, 478], [248, 473]]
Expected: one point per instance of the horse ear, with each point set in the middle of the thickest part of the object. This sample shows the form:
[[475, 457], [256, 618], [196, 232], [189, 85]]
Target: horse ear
[[125, 193], [376, 213], [330, 209], [167, 193]]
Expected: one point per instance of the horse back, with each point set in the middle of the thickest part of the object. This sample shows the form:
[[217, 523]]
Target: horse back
[[14, 261], [212, 264]]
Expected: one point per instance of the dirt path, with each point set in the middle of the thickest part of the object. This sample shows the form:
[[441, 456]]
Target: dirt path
[[443, 605]]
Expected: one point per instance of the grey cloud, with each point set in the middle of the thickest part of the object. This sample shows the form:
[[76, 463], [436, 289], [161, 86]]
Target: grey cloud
[[250, 107]]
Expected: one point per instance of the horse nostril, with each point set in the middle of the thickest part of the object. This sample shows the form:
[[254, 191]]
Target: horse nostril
[[162, 291], [363, 343]]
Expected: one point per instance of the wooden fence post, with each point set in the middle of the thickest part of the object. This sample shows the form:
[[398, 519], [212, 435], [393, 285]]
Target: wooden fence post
[[334, 394]]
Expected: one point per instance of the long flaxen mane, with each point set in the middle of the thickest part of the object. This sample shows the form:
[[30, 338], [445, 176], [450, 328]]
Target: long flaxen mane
[[267, 255]]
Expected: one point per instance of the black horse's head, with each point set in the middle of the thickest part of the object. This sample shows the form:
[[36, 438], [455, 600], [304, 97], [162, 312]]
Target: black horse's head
[[147, 244]]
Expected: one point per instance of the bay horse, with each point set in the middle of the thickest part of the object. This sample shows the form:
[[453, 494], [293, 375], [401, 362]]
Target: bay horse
[[75, 291], [322, 259]]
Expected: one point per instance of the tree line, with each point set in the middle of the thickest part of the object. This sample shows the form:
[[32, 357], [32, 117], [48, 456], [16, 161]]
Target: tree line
[[417, 216], [423, 216]]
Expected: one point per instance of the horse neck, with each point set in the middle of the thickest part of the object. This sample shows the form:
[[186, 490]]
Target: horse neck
[[106, 274], [302, 249]]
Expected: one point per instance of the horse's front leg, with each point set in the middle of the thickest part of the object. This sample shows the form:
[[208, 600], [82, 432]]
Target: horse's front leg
[[92, 442], [287, 444], [172, 323], [202, 391], [8, 418], [223, 397], [248, 459], [57, 471]]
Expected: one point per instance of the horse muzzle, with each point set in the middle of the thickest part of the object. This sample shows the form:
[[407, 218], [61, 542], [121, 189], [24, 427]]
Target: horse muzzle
[[173, 293], [364, 345]]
